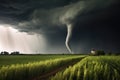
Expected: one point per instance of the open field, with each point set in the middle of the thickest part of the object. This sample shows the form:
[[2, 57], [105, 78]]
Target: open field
[[59, 67], [33, 69], [92, 68], [22, 59]]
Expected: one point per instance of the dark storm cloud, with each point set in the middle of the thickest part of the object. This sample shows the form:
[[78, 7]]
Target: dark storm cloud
[[92, 19], [42, 13]]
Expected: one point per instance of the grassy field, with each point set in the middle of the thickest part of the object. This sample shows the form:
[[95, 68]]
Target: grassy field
[[22, 59], [27, 67], [92, 68]]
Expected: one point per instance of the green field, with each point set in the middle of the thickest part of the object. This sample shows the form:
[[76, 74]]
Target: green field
[[59, 67], [27, 67], [92, 68], [21, 59]]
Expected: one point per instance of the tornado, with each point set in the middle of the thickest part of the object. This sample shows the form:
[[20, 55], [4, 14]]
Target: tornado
[[68, 37]]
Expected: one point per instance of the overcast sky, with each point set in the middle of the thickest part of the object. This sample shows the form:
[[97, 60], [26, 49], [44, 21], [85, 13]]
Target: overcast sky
[[31, 26]]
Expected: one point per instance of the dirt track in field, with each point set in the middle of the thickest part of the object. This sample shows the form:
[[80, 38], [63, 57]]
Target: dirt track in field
[[46, 76]]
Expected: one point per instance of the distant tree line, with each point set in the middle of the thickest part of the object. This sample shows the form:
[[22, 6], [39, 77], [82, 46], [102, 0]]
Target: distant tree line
[[101, 52], [12, 53]]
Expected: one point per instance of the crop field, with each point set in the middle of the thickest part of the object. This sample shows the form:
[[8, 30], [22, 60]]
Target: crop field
[[22, 59], [22, 67], [59, 67], [92, 68]]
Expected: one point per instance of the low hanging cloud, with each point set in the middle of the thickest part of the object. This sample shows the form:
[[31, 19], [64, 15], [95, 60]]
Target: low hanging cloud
[[49, 17]]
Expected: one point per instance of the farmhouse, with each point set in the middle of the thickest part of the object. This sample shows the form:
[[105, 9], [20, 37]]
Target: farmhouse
[[93, 51]]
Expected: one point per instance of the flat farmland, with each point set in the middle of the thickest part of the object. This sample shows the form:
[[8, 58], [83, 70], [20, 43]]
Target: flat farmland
[[34, 67], [92, 68], [59, 67], [22, 59]]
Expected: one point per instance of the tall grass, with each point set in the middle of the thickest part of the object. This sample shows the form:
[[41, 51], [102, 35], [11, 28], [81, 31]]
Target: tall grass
[[92, 68], [31, 70]]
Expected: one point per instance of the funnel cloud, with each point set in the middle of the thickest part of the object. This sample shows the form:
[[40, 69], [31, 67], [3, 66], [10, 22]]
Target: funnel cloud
[[69, 34]]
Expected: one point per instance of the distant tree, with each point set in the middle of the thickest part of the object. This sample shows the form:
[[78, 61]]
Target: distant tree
[[117, 53], [15, 53], [100, 52], [109, 53], [4, 53]]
